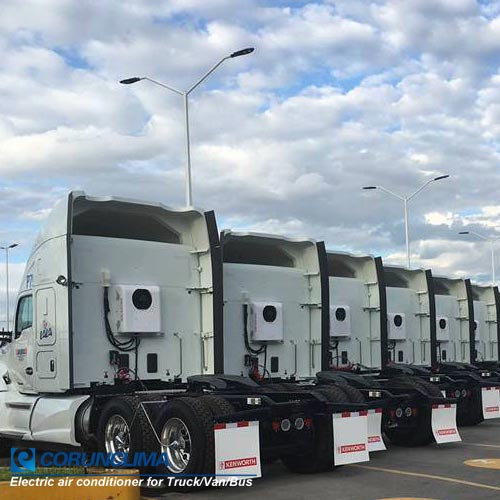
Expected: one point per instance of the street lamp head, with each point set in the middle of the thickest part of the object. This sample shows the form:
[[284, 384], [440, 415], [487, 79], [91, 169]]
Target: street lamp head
[[463, 232], [14, 245], [439, 177], [369, 187], [129, 81], [242, 52]]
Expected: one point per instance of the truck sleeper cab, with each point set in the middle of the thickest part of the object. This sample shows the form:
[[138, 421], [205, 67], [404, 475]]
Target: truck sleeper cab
[[119, 343]]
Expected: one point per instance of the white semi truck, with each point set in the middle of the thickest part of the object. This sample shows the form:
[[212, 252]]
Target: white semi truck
[[130, 336]]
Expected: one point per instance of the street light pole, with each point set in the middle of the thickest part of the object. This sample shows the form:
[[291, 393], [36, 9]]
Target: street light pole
[[185, 97], [7, 248], [189, 182], [406, 200], [492, 243]]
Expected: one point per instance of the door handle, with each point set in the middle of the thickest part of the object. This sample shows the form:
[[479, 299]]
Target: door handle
[[29, 370]]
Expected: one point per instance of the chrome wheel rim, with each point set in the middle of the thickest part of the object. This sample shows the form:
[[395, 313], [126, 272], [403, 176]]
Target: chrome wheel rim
[[176, 444], [117, 437]]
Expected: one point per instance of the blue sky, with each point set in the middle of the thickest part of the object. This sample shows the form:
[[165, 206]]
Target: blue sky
[[337, 95]]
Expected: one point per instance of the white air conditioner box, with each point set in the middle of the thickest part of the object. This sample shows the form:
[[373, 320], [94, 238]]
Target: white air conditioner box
[[266, 321], [442, 329], [340, 321], [134, 309], [397, 326]]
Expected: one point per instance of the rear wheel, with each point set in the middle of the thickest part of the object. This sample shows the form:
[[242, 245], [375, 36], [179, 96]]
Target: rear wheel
[[4, 448], [354, 395], [430, 388], [471, 412], [185, 428], [320, 459], [421, 434], [217, 405], [124, 429]]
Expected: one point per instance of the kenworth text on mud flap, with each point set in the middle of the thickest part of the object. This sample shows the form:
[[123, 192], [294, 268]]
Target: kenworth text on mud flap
[[119, 345], [359, 351], [454, 354]]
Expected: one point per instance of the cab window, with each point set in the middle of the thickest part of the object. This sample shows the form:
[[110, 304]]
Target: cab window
[[24, 314]]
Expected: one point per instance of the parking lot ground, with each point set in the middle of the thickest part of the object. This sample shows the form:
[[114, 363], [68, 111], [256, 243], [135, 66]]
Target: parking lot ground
[[432, 472]]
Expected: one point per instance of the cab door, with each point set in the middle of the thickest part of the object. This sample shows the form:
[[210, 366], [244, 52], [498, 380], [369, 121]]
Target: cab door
[[46, 333], [22, 351]]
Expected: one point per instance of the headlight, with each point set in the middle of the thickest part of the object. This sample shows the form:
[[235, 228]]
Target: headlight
[[408, 412], [399, 412], [464, 393], [457, 393]]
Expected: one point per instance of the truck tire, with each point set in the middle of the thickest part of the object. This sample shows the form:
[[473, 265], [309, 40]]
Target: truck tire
[[4, 448], [333, 393], [320, 458], [189, 422], [473, 413], [430, 388], [217, 405], [354, 395], [123, 427], [421, 435]]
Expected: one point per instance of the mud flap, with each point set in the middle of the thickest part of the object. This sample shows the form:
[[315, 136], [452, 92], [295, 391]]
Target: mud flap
[[491, 402], [444, 423], [375, 441], [237, 449], [350, 437]]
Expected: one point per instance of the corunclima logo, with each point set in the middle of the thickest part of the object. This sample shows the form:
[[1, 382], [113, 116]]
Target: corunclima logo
[[24, 460]]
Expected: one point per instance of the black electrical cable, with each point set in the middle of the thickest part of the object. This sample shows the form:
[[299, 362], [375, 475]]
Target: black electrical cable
[[334, 347], [265, 361], [392, 348], [249, 349], [129, 345]]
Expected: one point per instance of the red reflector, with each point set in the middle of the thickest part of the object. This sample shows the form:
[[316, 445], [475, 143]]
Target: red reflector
[[308, 422], [219, 426], [276, 426], [363, 413], [414, 412], [242, 424], [392, 413]]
